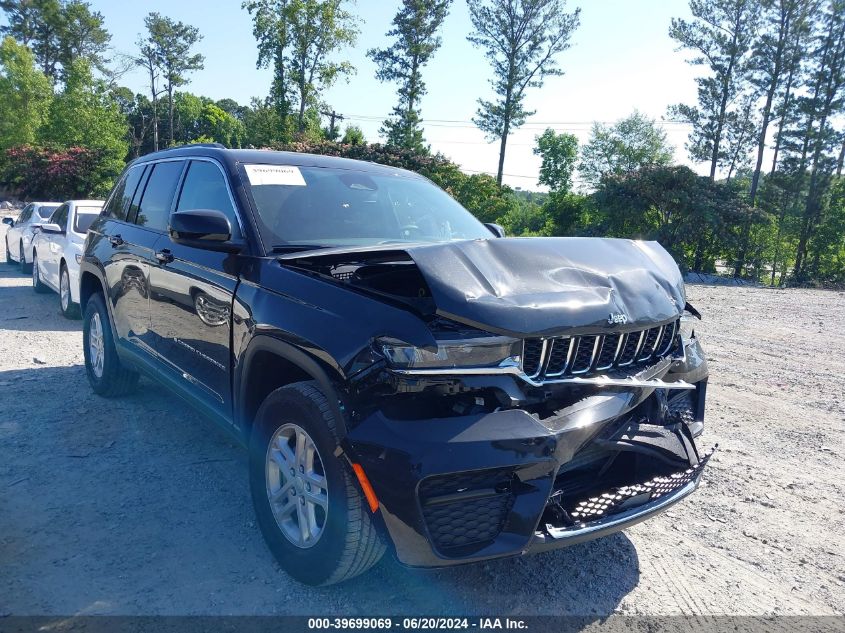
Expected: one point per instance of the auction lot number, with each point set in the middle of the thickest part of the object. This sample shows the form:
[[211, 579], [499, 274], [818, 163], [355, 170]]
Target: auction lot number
[[388, 623]]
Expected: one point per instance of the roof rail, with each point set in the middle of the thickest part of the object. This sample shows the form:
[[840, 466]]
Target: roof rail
[[217, 145]]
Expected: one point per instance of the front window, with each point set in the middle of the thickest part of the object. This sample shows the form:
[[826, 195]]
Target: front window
[[322, 206], [84, 218]]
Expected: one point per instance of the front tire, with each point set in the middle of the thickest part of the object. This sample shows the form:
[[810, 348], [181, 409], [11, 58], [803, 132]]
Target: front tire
[[107, 375], [293, 473], [70, 310], [37, 285], [9, 260]]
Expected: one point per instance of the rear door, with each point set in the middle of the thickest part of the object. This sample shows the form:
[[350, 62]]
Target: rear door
[[192, 293], [140, 208]]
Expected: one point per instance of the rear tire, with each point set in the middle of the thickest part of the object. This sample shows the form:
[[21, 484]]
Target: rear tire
[[37, 284], [25, 268], [347, 543], [70, 310], [107, 375], [8, 254]]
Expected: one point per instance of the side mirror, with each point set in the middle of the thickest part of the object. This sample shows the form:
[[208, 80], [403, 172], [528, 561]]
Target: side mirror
[[9, 221], [203, 228], [49, 227], [496, 229]]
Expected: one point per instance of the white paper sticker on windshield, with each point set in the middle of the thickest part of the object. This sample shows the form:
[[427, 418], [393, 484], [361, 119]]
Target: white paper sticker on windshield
[[274, 175]]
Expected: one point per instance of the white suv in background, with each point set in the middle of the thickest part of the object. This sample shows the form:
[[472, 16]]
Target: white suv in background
[[20, 232], [57, 250]]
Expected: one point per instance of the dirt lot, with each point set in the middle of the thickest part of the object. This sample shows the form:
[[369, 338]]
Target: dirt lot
[[139, 506]]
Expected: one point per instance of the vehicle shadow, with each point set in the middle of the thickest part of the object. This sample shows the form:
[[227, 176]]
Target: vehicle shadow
[[144, 480], [25, 310], [588, 580]]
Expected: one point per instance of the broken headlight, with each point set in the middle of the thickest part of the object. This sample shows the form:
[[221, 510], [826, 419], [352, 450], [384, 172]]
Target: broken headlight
[[688, 325], [488, 351]]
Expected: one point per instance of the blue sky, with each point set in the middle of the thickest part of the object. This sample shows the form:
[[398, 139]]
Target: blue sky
[[621, 58]]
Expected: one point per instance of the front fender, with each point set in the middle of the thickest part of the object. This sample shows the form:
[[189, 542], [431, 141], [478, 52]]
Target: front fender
[[266, 343]]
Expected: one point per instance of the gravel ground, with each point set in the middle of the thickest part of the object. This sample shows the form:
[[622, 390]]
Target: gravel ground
[[138, 506]]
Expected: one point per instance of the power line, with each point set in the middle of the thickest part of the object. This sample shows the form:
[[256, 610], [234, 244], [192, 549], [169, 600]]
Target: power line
[[370, 117], [490, 173]]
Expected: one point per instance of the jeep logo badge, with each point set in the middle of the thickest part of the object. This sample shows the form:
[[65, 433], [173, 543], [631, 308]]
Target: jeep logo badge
[[617, 318]]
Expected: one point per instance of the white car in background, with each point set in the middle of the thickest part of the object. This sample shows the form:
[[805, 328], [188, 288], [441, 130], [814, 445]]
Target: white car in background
[[20, 232], [57, 251]]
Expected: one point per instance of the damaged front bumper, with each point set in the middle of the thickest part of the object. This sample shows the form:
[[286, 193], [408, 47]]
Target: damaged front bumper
[[506, 482]]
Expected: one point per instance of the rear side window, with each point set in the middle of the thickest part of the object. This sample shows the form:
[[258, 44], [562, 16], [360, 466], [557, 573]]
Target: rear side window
[[154, 211], [84, 218], [119, 202], [44, 211], [205, 188]]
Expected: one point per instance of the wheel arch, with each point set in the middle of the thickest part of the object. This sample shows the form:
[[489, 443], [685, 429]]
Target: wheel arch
[[89, 283], [268, 364]]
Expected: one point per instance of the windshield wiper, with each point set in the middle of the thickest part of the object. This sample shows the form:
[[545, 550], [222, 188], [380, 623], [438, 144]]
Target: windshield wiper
[[294, 248]]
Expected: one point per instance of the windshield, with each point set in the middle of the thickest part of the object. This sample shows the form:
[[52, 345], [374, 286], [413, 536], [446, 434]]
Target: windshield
[[321, 206], [85, 217]]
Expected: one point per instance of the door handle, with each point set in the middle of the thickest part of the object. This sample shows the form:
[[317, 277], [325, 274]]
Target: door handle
[[164, 256], [116, 241]]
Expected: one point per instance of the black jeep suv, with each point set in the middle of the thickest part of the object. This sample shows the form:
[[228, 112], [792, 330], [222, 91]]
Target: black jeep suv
[[403, 375]]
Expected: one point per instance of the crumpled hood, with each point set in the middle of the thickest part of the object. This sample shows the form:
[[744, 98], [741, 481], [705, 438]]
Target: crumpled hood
[[544, 286]]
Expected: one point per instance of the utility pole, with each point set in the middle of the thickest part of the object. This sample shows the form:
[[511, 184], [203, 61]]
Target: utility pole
[[332, 116]]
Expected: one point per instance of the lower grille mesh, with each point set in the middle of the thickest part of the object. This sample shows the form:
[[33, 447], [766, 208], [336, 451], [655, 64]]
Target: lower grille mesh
[[477, 521], [466, 509], [616, 499]]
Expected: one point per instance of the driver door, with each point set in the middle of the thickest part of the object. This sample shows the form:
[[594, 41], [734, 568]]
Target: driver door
[[192, 290], [50, 257]]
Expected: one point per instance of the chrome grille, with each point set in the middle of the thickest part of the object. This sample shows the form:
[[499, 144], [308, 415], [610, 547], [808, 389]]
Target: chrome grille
[[559, 356], [580, 355], [649, 343], [532, 356], [584, 354], [609, 350]]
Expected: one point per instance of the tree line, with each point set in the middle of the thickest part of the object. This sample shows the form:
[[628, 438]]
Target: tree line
[[767, 121]]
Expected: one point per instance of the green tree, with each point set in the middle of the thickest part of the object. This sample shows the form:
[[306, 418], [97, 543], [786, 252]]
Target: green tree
[[526, 218], [693, 217], [37, 24], [233, 107], [629, 144], [58, 32], [262, 124], [25, 95], [521, 39], [83, 35], [559, 154], [823, 107], [187, 116], [271, 28], [721, 36], [171, 42], [482, 196], [353, 136], [148, 60], [85, 114], [220, 126], [782, 28], [139, 115], [415, 41], [318, 28]]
